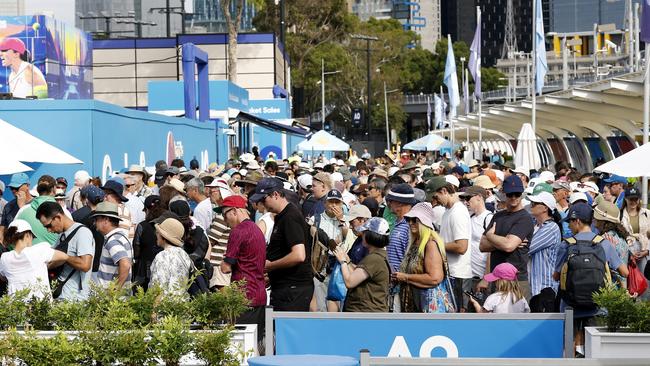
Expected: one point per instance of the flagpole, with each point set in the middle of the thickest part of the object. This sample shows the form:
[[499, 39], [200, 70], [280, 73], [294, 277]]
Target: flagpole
[[442, 109], [646, 122], [533, 72]]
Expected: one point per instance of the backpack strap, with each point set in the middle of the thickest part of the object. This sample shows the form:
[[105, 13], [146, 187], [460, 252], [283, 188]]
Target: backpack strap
[[571, 241], [597, 239]]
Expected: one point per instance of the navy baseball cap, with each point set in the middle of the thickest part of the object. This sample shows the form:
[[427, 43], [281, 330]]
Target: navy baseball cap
[[265, 187], [632, 192], [458, 170], [513, 184], [334, 195], [93, 194], [580, 211]]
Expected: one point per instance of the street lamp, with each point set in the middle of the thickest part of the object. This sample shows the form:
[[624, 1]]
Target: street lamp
[[322, 88], [368, 39], [386, 114]]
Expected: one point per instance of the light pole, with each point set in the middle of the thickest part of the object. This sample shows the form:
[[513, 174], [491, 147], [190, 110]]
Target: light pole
[[368, 39], [386, 114], [322, 89]]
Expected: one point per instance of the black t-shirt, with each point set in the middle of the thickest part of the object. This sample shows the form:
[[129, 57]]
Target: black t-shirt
[[81, 214], [519, 223], [290, 229]]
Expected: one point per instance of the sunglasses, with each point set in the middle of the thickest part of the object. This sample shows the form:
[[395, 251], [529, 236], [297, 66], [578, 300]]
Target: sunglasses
[[49, 225], [412, 220], [466, 198], [513, 195]]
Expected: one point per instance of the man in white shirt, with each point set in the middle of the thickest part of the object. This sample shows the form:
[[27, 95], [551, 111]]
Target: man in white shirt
[[456, 230], [474, 198], [203, 211]]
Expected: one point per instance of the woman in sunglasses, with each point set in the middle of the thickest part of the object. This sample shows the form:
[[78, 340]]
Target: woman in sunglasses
[[423, 276]]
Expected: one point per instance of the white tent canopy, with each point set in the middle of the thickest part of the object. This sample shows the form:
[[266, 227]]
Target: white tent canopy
[[8, 166], [323, 141], [19, 146], [430, 142], [634, 163], [526, 155]]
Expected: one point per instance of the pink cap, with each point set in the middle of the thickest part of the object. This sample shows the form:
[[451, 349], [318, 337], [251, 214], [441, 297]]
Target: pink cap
[[504, 271], [12, 44]]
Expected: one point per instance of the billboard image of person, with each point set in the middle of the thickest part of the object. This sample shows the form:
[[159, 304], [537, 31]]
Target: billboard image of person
[[25, 79]]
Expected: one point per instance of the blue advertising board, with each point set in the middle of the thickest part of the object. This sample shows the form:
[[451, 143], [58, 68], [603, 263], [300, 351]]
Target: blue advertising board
[[446, 335]]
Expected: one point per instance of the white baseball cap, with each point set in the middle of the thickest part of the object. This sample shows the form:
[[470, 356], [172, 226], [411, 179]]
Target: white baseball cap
[[21, 226], [305, 181], [547, 176], [577, 196], [544, 198], [337, 177], [452, 180]]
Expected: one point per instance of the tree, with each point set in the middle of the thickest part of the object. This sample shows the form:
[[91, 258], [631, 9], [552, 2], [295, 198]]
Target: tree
[[490, 77], [233, 21]]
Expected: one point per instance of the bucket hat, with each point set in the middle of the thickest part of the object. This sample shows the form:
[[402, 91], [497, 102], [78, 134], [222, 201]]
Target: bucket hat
[[172, 230]]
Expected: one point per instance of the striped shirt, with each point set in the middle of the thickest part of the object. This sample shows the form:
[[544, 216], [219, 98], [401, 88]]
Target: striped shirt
[[116, 248], [219, 233], [543, 252], [397, 244]]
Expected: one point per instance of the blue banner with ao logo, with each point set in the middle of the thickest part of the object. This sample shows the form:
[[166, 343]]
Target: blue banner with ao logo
[[459, 335]]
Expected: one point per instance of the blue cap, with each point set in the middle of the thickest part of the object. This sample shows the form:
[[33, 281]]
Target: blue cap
[[616, 179], [458, 170], [580, 211], [513, 184], [334, 195], [116, 187], [18, 180], [265, 187], [93, 194], [376, 225]]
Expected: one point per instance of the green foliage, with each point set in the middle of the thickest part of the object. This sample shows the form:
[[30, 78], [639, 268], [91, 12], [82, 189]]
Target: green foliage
[[13, 310], [212, 348], [490, 79], [58, 350], [118, 329], [38, 313], [171, 340], [619, 305], [640, 319]]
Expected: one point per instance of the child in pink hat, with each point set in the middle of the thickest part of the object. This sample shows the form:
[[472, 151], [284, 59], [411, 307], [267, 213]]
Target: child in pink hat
[[508, 297]]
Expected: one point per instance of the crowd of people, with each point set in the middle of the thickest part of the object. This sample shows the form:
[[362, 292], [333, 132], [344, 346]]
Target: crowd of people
[[417, 233]]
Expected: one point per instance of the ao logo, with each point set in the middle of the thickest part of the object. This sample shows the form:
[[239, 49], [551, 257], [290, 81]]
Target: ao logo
[[357, 116], [401, 349]]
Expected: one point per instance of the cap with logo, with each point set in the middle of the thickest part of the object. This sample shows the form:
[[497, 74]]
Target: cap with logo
[[334, 195], [632, 192], [513, 184]]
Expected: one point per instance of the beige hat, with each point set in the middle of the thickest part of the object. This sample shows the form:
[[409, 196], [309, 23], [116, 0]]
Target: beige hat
[[380, 173], [607, 211], [172, 230], [137, 169], [357, 211], [484, 181], [177, 184]]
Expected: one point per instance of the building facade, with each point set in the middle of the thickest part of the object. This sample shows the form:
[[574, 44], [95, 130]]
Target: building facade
[[459, 20], [420, 16], [580, 15]]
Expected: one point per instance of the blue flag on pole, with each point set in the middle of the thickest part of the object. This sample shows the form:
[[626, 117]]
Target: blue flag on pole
[[428, 113], [451, 79], [541, 67], [474, 63], [645, 21]]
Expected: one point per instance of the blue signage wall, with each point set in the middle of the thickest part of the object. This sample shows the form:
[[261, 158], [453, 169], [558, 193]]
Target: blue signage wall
[[434, 337], [98, 133]]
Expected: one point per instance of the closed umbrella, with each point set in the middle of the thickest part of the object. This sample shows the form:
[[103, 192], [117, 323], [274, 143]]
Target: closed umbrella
[[527, 156], [633, 163], [430, 142], [19, 145]]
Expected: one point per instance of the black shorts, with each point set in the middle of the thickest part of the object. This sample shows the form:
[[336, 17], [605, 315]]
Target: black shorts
[[292, 298], [579, 324]]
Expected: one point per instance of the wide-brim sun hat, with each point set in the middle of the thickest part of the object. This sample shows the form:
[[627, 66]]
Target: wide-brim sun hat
[[424, 212], [106, 209], [607, 211], [172, 230]]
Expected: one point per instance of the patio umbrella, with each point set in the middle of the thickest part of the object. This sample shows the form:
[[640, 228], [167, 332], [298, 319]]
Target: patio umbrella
[[20, 146], [8, 166], [633, 163], [430, 142], [526, 155], [323, 141]]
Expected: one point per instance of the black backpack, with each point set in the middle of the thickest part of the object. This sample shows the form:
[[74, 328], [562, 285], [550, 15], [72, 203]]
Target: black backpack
[[584, 272]]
